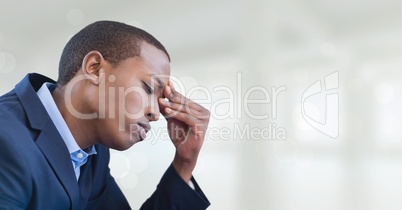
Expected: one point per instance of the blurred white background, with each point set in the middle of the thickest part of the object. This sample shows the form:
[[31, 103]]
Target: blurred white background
[[264, 43]]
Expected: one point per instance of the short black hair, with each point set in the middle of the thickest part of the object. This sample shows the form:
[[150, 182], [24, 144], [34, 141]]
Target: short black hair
[[114, 40]]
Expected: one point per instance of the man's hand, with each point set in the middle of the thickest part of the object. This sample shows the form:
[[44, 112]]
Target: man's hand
[[187, 125]]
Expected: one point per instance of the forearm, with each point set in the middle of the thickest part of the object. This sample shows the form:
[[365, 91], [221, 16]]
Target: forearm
[[184, 168]]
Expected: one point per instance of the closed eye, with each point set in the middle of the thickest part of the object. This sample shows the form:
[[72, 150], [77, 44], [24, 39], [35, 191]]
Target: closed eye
[[148, 88]]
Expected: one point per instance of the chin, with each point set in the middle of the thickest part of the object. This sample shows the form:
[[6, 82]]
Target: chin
[[123, 143]]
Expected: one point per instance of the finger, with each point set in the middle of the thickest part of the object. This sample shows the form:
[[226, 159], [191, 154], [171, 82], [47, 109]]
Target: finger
[[173, 95], [174, 106], [177, 97], [162, 109], [189, 107], [184, 117], [184, 109]]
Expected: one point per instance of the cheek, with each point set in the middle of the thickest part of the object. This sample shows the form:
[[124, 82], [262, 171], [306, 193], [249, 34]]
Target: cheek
[[134, 104], [129, 103]]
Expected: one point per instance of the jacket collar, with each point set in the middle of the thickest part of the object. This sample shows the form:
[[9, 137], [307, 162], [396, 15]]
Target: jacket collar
[[26, 93], [49, 140]]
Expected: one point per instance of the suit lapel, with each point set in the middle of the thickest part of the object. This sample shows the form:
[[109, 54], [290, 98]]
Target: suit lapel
[[85, 181], [49, 140], [53, 148]]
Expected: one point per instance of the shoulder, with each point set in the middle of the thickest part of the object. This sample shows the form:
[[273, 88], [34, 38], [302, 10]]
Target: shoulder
[[13, 119], [16, 133], [9, 103]]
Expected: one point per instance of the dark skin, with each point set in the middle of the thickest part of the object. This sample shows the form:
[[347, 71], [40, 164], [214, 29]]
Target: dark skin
[[104, 117], [187, 124]]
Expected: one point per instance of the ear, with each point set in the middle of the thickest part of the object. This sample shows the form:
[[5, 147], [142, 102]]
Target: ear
[[92, 65]]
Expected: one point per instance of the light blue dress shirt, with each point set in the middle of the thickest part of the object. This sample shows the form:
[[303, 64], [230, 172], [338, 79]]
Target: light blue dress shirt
[[78, 156]]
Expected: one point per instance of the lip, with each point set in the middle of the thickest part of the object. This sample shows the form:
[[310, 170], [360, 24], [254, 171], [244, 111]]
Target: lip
[[146, 126]]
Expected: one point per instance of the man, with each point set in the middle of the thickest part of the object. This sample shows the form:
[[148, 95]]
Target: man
[[55, 137]]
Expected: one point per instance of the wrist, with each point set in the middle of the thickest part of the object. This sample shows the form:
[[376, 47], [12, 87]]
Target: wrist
[[184, 168]]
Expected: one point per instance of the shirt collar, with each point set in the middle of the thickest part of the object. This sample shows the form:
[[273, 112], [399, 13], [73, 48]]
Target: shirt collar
[[61, 126], [80, 157]]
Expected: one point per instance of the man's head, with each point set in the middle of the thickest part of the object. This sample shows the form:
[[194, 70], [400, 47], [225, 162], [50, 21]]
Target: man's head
[[115, 41], [111, 76]]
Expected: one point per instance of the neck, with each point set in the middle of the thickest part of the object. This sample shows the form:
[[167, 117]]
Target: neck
[[79, 127]]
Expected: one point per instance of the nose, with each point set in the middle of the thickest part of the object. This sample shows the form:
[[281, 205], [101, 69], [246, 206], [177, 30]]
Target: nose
[[153, 112]]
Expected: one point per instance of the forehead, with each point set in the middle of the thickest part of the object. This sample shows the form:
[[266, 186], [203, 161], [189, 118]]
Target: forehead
[[155, 64], [154, 60], [152, 66]]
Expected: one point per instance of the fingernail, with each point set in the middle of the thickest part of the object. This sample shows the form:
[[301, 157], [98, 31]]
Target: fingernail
[[163, 100], [168, 110]]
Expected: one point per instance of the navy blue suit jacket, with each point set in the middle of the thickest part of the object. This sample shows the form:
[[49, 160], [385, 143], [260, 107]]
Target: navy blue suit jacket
[[36, 171]]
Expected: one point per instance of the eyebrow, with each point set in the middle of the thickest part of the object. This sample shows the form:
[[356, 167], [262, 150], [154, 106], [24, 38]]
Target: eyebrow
[[160, 84]]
